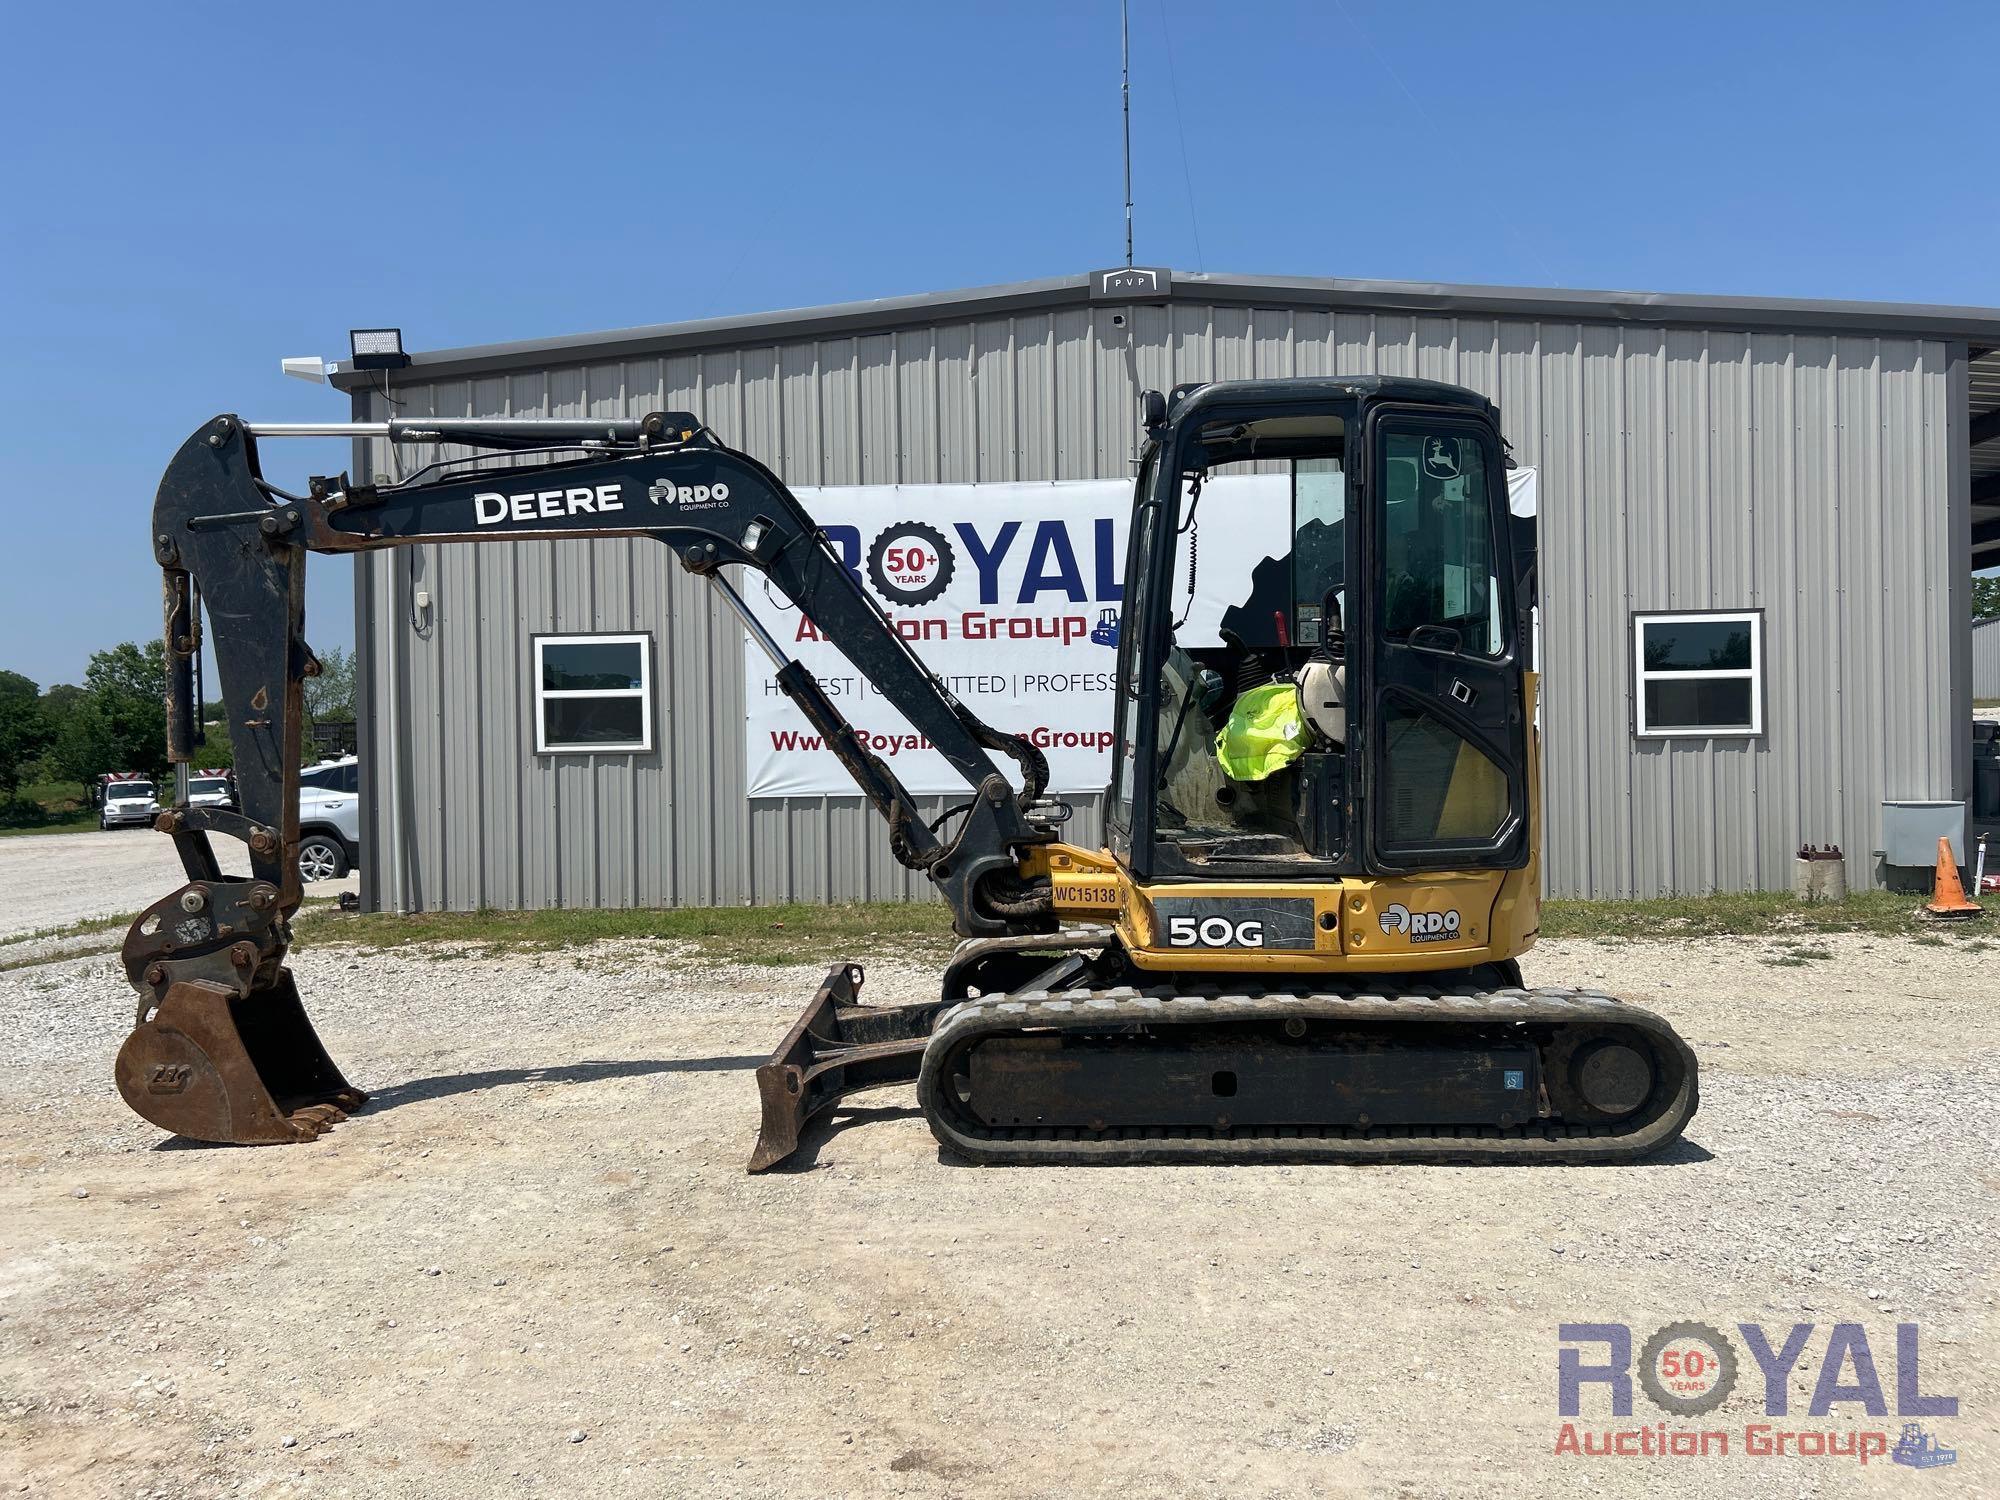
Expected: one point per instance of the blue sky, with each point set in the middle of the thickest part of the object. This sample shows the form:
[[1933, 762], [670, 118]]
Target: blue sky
[[190, 194]]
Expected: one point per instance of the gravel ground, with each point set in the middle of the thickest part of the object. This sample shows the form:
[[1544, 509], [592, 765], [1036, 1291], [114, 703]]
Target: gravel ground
[[535, 1265], [54, 879]]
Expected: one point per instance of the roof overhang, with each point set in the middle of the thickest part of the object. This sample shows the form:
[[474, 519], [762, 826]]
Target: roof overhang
[[1977, 325]]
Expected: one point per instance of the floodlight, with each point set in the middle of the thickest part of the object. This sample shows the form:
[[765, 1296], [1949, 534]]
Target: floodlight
[[377, 348]]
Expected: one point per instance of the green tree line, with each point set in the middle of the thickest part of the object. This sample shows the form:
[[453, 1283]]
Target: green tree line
[[1986, 597], [67, 735]]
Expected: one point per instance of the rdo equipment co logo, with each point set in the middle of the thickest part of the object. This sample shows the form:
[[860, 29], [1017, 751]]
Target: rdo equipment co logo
[[1422, 926], [1689, 1369]]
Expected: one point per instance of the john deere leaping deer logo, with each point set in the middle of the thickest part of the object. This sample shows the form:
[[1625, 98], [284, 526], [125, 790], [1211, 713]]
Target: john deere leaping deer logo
[[1440, 458]]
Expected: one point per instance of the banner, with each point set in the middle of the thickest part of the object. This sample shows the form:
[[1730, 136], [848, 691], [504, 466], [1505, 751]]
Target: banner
[[1523, 492], [1012, 593]]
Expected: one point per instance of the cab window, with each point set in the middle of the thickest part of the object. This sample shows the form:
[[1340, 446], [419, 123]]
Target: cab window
[[1319, 547], [1437, 541]]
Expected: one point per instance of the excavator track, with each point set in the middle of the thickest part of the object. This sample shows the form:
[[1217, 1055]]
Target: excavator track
[[1126, 1076]]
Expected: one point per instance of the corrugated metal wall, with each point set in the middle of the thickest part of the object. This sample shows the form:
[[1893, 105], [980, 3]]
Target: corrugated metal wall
[[1813, 477], [1986, 659]]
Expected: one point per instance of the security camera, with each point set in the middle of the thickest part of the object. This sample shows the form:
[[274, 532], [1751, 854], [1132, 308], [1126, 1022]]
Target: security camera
[[1118, 320], [304, 367]]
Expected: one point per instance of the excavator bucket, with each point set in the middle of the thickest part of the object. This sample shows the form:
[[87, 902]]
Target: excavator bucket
[[247, 1071]]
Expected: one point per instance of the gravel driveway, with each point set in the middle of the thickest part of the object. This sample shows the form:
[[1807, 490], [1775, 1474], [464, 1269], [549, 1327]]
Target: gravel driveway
[[534, 1265], [54, 879]]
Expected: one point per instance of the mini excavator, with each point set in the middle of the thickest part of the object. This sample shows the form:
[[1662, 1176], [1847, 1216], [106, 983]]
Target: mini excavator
[[1299, 939]]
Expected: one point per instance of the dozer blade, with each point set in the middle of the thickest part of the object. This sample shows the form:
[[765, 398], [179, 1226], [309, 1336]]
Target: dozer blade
[[836, 1047], [247, 1072]]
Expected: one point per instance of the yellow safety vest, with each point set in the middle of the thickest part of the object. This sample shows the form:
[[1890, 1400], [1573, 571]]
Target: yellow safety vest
[[1266, 732]]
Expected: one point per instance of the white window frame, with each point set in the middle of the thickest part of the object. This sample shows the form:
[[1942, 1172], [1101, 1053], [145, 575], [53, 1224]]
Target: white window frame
[[1754, 672], [643, 692]]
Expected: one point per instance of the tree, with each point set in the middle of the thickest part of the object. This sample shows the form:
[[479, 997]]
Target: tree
[[329, 696], [85, 746], [24, 729], [128, 672], [119, 722], [1986, 597], [59, 702], [216, 749]]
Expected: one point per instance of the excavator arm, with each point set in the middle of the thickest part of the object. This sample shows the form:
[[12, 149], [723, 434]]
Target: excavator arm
[[222, 1049], [226, 538]]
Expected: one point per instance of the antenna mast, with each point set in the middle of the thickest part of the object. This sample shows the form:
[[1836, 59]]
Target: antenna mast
[[1125, 88]]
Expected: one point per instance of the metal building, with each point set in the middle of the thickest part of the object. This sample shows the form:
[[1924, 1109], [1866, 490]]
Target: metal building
[[1986, 660], [1826, 468]]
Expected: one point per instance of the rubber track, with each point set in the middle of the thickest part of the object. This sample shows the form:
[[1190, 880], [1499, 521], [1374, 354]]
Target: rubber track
[[1665, 1116]]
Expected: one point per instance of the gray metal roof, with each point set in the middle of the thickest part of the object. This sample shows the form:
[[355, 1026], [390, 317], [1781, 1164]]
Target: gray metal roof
[[1978, 325]]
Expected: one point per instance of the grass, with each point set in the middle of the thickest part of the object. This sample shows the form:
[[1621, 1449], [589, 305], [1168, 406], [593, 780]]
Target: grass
[[1789, 953], [1749, 914], [36, 961], [88, 927], [775, 936], [762, 935], [92, 927], [46, 807], [83, 928]]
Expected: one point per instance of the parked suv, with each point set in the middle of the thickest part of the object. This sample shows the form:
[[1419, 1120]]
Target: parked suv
[[127, 803], [329, 819]]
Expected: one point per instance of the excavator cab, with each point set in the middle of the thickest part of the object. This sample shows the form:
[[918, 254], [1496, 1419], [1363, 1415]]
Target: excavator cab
[[1389, 563]]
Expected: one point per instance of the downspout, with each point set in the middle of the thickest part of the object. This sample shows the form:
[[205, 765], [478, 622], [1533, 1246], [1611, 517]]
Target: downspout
[[384, 778]]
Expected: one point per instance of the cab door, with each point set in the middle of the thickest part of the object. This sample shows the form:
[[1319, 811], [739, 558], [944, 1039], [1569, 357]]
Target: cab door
[[1445, 771]]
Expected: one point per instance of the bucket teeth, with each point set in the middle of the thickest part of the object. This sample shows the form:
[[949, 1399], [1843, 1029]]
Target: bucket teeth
[[314, 1121]]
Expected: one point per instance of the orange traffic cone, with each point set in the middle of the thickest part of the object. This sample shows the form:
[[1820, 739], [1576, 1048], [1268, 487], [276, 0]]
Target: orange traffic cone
[[1947, 893]]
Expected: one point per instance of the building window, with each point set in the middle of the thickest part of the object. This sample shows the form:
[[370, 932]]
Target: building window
[[1699, 673], [593, 692]]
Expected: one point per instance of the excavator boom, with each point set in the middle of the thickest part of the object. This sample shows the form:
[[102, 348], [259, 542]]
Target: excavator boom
[[222, 1049]]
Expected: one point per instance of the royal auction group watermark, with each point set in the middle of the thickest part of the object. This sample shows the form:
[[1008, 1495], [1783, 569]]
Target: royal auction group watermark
[[1688, 1369]]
